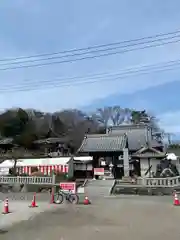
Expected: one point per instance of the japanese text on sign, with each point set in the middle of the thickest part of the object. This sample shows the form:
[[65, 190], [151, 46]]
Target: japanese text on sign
[[70, 186], [99, 171]]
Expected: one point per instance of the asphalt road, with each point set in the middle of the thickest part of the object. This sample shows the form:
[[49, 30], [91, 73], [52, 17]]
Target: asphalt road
[[126, 217]]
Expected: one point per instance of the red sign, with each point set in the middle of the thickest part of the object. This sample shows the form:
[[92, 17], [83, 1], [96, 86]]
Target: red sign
[[99, 171], [68, 186]]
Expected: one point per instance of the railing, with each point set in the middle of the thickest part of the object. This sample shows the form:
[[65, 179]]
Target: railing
[[156, 182], [161, 182], [28, 180]]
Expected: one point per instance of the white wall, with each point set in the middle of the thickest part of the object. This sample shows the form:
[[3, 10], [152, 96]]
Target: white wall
[[145, 166], [154, 163], [83, 167]]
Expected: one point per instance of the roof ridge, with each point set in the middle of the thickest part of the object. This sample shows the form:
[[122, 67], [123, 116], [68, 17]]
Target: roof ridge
[[122, 126], [105, 135], [103, 142]]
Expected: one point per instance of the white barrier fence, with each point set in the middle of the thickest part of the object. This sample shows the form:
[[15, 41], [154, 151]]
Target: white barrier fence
[[28, 180], [156, 182], [161, 182]]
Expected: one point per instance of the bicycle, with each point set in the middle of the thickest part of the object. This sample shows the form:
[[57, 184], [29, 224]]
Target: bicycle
[[68, 196]]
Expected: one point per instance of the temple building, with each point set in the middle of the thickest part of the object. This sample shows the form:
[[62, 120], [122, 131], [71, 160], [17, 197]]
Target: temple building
[[130, 149]]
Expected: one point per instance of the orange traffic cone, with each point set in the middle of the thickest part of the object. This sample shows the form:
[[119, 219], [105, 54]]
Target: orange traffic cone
[[176, 200], [86, 201], [33, 203], [6, 206]]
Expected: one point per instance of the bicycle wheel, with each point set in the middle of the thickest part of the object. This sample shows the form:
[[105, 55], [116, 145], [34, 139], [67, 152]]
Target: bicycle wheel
[[58, 198], [73, 198]]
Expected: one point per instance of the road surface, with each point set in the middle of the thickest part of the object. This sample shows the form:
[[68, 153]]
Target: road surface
[[124, 217]]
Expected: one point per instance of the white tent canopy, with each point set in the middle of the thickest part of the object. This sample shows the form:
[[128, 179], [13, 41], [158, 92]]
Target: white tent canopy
[[83, 158], [39, 162], [45, 161], [171, 156], [9, 164], [35, 162], [6, 165]]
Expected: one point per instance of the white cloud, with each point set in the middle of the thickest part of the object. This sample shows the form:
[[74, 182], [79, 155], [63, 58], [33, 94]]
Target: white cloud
[[170, 122]]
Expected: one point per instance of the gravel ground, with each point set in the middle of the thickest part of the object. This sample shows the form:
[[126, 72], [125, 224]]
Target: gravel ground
[[128, 217], [42, 197], [19, 207]]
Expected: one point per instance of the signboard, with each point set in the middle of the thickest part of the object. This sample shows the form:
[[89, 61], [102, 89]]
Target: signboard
[[80, 190], [99, 171], [103, 163], [120, 165], [68, 186]]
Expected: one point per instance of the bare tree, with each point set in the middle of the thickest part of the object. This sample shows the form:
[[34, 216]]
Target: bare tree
[[128, 113], [102, 115], [168, 136], [71, 117], [15, 154], [120, 115], [116, 114]]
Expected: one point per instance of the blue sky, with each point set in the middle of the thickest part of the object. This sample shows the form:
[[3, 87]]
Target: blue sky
[[41, 26]]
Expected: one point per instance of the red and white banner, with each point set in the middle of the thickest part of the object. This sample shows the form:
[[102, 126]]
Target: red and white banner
[[46, 170], [68, 186], [99, 171]]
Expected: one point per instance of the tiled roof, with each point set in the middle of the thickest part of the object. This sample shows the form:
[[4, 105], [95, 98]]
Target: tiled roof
[[51, 140], [137, 140], [136, 135], [127, 127], [150, 155], [103, 143], [149, 152], [6, 141], [147, 149]]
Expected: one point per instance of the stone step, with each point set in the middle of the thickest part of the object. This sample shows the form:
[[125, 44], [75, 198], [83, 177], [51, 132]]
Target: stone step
[[99, 187], [98, 191], [101, 183]]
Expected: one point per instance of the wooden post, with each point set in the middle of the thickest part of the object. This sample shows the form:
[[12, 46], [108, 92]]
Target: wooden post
[[149, 165], [53, 183], [126, 162]]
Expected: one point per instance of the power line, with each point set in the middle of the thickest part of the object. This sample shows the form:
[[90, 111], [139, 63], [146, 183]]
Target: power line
[[103, 74], [169, 66], [91, 47], [90, 52], [88, 57]]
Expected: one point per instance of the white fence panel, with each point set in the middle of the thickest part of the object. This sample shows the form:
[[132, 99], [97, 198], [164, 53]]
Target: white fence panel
[[27, 180]]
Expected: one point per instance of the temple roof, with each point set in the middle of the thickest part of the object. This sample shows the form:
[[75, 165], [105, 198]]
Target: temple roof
[[103, 143], [138, 135], [127, 127], [113, 141], [137, 140], [51, 140], [149, 152]]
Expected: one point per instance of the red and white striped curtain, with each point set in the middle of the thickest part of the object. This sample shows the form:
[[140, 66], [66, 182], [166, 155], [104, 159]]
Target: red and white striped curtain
[[46, 170]]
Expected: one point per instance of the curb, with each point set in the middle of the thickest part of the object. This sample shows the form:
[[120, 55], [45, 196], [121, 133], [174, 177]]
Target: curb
[[85, 182], [112, 188]]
